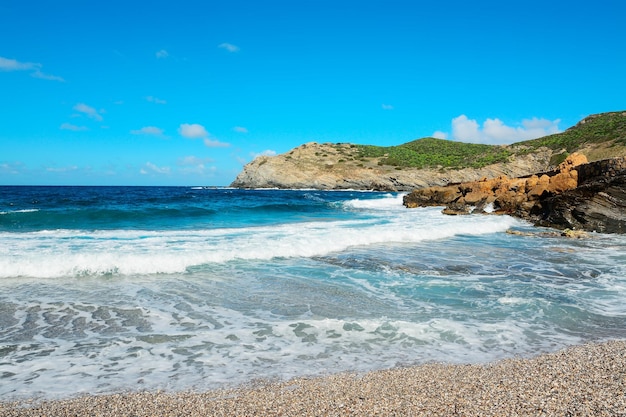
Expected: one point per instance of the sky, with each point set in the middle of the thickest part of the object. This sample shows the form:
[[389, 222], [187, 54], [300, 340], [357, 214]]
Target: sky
[[187, 92]]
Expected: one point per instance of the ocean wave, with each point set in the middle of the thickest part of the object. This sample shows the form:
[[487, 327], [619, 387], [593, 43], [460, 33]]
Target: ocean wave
[[55, 253], [388, 202], [99, 218], [19, 211], [222, 346]]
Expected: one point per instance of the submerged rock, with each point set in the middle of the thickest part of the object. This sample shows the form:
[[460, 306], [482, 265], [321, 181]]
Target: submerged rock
[[574, 234]]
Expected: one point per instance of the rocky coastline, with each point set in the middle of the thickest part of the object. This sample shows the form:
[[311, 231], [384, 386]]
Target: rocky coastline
[[578, 195], [536, 182], [328, 166]]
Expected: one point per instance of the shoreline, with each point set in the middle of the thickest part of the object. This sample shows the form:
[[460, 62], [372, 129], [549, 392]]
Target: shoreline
[[588, 379]]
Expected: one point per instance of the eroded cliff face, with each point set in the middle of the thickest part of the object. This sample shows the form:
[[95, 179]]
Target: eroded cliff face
[[597, 204], [508, 195], [577, 195], [337, 166]]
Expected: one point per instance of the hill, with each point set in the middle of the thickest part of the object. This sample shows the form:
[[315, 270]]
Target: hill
[[429, 161]]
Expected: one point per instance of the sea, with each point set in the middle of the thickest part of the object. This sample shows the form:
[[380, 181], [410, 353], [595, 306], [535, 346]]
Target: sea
[[111, 289]]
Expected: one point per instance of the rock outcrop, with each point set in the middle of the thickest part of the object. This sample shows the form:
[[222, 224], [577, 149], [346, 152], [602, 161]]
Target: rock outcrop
[[426, 162], [429, 162], [597, 204], [506, 194], [577, 195], [329, 166]]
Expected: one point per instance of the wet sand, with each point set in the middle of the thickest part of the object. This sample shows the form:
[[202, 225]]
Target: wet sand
[[588, 380]]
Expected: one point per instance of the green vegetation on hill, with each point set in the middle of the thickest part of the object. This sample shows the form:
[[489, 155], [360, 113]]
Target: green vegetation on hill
[[431, 152], [598, 128], [608, 129]]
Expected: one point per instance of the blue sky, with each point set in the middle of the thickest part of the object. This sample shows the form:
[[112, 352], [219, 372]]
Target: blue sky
[[186, 92]]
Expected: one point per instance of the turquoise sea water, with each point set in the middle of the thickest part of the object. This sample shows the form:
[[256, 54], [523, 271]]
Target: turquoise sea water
[[104, 289]]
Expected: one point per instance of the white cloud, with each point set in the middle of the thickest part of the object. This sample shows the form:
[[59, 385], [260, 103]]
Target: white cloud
[[496, 132], [240, 129], [7, 64], [196, 131], [440, 135], [229, 47], [162, 54], [212, 143], [155, 100], [12, 168], [44, 76], [14, 65], [89, 111], [62, 169], [387, 107], [541, 127], [69, 126], [148, 130], [465, 130], [193, 131], [150, 168]]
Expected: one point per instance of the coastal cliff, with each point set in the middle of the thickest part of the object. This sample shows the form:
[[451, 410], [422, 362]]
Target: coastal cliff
[[548, 181], [341, 166], [431, 162], [598, 203], [577, 195]]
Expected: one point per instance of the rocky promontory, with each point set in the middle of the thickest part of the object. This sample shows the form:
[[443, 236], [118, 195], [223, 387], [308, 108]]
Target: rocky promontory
[[549, 181], [339, 166], [431, 162], [577, 195]]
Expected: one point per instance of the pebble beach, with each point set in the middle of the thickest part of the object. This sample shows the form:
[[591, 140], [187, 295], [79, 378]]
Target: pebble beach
[[586, 380]]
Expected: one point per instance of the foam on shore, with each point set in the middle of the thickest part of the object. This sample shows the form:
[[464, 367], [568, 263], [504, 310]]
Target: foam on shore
[[583, 380]]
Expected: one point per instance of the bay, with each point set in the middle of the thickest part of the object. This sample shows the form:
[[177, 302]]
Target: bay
[[104, 289]]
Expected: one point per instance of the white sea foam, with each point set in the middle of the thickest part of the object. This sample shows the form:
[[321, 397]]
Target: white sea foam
[[389, 202], [55, 253], [374, 287], [512, 300], [19, 211], [232, 348], [188, 332]]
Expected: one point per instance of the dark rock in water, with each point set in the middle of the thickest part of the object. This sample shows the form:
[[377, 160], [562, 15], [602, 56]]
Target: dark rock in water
[[597, 205], [455, 209]]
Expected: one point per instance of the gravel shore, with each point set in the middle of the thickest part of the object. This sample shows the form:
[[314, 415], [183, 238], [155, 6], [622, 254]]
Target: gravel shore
[[588, 380]]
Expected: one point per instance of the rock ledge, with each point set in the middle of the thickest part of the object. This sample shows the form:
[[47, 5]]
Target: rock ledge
[[577, 195]]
